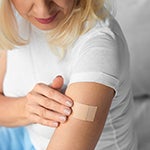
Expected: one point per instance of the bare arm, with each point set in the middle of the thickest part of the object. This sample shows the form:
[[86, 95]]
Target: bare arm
[[12, 112], [78, 134], [43, 105], [9, 117]]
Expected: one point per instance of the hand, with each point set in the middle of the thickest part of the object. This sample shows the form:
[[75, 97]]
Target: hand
[[46, 105]]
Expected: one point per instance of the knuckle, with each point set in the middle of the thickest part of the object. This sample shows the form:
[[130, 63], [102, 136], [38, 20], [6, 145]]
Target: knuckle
[[29, 95], [40, 120], [36, 119], [43, 113], [51, 105], [51, 92], [61, 107], [44, 122], [47, 102], [38, 86]]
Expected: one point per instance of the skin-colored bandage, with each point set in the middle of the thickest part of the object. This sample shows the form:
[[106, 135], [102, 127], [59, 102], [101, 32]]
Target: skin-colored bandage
[[84, 112]]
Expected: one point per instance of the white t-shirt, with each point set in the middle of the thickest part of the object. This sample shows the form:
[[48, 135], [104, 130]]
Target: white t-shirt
[[100, 55]]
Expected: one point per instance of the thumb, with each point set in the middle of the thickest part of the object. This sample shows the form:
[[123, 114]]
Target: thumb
[[57, 82]]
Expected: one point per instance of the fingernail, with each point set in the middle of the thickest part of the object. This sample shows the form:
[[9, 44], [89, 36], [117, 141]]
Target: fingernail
[[55, 124], [59, 76], [67, 111], [63, 118], [69, 103]]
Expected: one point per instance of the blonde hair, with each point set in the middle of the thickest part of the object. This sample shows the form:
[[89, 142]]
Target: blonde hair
[[81, 19], [9, 36]]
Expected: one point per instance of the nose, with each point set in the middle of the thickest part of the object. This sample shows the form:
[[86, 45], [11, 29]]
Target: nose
[[40, 9]]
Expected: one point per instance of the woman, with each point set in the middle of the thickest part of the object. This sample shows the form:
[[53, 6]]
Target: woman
[[59, 55]]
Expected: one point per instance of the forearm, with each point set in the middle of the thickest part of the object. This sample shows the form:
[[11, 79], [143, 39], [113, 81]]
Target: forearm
[[12, 111]]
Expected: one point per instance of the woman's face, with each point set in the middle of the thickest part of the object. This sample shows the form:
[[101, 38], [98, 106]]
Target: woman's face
[[44, 14]]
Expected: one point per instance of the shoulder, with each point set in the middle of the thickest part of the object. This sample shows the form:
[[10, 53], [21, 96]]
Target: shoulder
[[102, 50], [104, 34], [105, 39]]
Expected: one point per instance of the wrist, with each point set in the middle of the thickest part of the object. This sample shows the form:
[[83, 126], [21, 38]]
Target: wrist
[[22, 111]]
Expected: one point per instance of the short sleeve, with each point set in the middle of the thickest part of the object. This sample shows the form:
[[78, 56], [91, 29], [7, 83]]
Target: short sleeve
[[99, 60]]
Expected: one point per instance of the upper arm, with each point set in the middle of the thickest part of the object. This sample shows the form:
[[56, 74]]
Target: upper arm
[[94, 80], [2, 68], [77, 134]]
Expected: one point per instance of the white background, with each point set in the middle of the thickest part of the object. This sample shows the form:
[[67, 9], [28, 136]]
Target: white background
[[134, 18]]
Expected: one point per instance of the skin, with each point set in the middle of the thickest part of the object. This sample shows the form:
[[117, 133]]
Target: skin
[[78, 134], [32, 9], [44, 104], [33, 108]]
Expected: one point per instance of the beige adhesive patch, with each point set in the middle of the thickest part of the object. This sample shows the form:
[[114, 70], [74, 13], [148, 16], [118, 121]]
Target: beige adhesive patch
[[84, 112]]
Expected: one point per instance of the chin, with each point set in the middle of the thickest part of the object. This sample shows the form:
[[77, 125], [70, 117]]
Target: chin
[[45, 27]]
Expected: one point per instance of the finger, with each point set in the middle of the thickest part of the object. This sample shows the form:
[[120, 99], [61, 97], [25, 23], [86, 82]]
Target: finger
[[49, 104], [57, 82], [53, 94], [46, 122], [48, 114]]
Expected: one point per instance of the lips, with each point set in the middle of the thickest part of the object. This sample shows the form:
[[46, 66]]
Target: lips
[[47, 20]]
